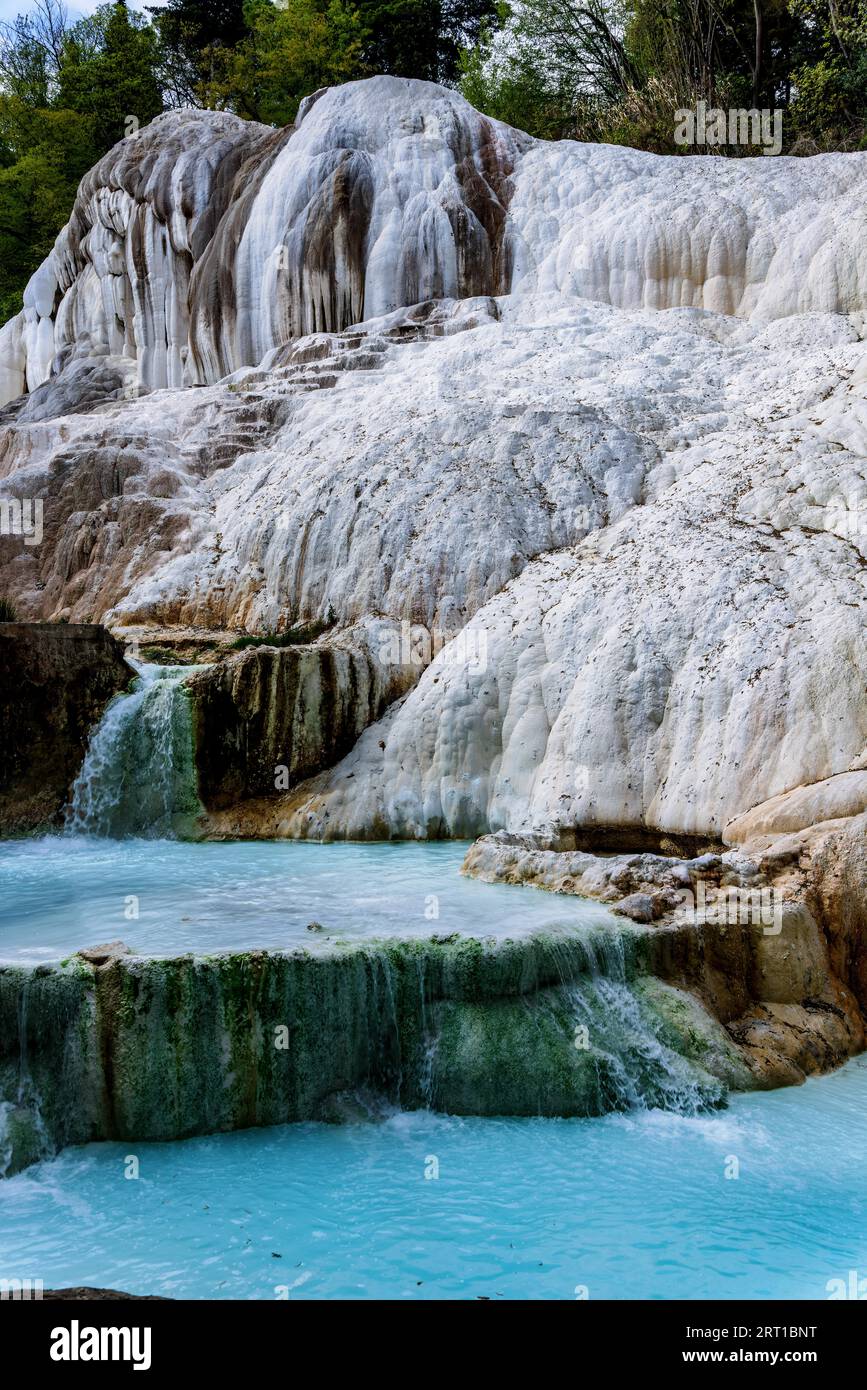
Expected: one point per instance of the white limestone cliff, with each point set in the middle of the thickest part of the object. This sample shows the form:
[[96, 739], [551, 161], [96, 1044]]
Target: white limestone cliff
[[202, 242], [595, 418]]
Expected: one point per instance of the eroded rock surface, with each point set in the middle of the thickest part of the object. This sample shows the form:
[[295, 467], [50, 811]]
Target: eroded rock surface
[[204, 242], [55, 681], [771, 935], [118, 1046], [269, 717], [612, 463], [697, 652], [592, 421]]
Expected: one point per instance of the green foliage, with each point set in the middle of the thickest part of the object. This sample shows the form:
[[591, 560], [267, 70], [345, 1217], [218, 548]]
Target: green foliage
[[108, 71], [294, 48], [829, 109], [165, 656], [7, 611], [43, 155], [550, 67], [290, 51], [617, 70], [187, 30], [518, 86], [421, 38], [66, 94], [292, 637], [30, 48]]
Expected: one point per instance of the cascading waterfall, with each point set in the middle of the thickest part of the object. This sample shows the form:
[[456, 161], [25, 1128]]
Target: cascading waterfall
[[587, 1040], [26, 1134], [635, 1069], [138, 776], [210, 1043], [562, 1022], [6, 1143]]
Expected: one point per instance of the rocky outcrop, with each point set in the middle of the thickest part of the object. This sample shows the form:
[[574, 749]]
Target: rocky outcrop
[[823, 866], [83, 1294], [617, 699], [634, 539], [800, 808], [451, 401], [638, 685], [117, 282], [770, 935], [55, 681], [203, 242], [117, 1046], [271, 716]]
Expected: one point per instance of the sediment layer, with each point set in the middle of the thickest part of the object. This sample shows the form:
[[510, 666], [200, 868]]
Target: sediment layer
[[769, 934], [271, 716]]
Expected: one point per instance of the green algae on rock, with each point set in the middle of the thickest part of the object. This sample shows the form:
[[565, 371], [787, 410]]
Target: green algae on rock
[[127, 1047]]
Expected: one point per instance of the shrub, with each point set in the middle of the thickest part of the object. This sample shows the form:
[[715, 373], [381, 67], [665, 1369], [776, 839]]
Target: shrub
[[292, 637]]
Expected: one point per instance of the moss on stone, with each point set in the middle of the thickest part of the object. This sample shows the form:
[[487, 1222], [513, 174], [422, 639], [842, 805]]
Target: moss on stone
[[690, 1030], [157, 1049]]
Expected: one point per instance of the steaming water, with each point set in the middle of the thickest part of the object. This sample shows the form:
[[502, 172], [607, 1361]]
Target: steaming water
[[630, 1206]]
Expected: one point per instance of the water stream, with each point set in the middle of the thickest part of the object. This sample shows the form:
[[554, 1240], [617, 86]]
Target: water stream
[[575, 1038], [407, 1203], [138, 776], [423, 1206]]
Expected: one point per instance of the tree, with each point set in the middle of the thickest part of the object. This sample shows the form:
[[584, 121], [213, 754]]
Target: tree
[[43, 155], [829, 107], [108, 71], [292, 50], [30, 51], [515, 84], [617, 70], [187, 30], [421, 38], [557, 63], [66, 93]]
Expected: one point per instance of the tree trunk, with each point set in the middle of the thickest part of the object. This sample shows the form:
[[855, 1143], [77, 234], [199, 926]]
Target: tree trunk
[[757, 69]]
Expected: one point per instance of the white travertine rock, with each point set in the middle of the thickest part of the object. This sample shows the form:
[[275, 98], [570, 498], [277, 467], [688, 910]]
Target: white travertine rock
[[117, 281], [668, 672], [761, 238], [13, 359], [834, 798], [645, 532], [203, 242]]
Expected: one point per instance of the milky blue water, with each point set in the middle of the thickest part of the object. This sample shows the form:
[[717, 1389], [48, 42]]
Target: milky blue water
[[62, 893], [629, 1206]]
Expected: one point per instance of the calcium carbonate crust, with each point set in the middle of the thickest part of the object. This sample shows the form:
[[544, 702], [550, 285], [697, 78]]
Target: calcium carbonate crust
[[594, 419]]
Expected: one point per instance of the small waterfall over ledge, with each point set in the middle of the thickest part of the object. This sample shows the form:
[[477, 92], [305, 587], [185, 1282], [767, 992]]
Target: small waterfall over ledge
[[145, 1048], [558, 1023], [139, 776]]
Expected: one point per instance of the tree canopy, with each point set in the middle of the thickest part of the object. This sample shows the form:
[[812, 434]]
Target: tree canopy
[[108, 71], [617, 70]]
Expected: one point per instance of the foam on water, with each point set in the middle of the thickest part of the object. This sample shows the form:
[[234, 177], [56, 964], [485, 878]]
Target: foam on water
[[628, 1206]]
